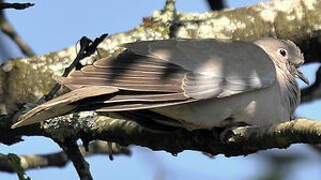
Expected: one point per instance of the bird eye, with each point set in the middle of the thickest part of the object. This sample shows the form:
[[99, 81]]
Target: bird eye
[[283, 52]]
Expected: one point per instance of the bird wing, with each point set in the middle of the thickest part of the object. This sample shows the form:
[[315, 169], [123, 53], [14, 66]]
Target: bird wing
[[161, 73], [62, 104], [143, 83], [215, 68]]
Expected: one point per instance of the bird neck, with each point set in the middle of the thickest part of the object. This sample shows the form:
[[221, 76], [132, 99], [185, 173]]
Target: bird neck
[[290, 93]]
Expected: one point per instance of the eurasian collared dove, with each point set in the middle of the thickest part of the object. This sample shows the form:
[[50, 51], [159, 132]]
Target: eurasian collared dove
[[195, 84]]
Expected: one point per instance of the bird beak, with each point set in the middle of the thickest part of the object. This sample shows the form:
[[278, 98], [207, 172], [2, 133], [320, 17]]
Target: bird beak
[[300, 75]]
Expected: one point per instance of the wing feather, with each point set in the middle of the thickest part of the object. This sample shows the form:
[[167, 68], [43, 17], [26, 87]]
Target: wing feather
[[62, 104]]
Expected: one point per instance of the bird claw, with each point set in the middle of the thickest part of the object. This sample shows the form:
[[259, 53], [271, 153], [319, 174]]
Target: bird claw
[[228, 132]]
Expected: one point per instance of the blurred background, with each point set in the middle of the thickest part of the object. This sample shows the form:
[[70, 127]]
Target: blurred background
[[53, 25]]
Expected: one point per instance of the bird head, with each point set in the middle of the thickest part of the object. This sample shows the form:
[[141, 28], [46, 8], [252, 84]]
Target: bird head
[[284, 53]]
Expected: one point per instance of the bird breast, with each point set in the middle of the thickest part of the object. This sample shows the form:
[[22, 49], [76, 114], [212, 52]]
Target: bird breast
[[259, 107]]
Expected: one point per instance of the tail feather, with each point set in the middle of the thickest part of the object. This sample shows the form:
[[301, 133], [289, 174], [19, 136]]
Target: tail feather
[[62, 104]]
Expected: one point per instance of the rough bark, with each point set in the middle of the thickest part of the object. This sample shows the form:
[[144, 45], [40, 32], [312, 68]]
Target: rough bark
[[232, 142]]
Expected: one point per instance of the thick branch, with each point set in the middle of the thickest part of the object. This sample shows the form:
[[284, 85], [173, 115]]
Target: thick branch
[[238, 141], [60, 159]]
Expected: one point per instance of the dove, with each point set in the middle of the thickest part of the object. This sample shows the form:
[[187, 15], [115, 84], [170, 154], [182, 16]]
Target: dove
[[186, 83]]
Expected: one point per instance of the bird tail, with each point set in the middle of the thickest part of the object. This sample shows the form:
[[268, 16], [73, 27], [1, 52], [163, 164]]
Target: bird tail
[[61, 105]]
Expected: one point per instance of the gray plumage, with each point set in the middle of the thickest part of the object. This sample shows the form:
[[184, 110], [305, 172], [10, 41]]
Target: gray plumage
[[195, 84]]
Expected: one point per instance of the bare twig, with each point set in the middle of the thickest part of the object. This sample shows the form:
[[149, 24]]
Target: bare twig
[[71, 149], [87, 48], [60, 159], [18, 6], [10, 32]]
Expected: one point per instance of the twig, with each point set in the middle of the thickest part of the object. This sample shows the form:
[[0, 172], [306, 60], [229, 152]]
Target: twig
[[312, 92], [18, 6], [7, 29], [60, 159], [71, 149], [87, 48]]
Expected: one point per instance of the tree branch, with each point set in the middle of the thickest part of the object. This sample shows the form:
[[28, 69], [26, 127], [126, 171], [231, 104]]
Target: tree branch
[[18, 6], [60, 159], [73, 153], [7, 29], [237, 141]]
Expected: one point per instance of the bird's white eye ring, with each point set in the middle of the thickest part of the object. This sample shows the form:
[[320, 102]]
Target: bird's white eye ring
[[283, 52]]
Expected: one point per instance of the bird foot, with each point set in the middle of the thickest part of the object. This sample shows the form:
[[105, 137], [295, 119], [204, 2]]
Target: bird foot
[[231, 131]]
